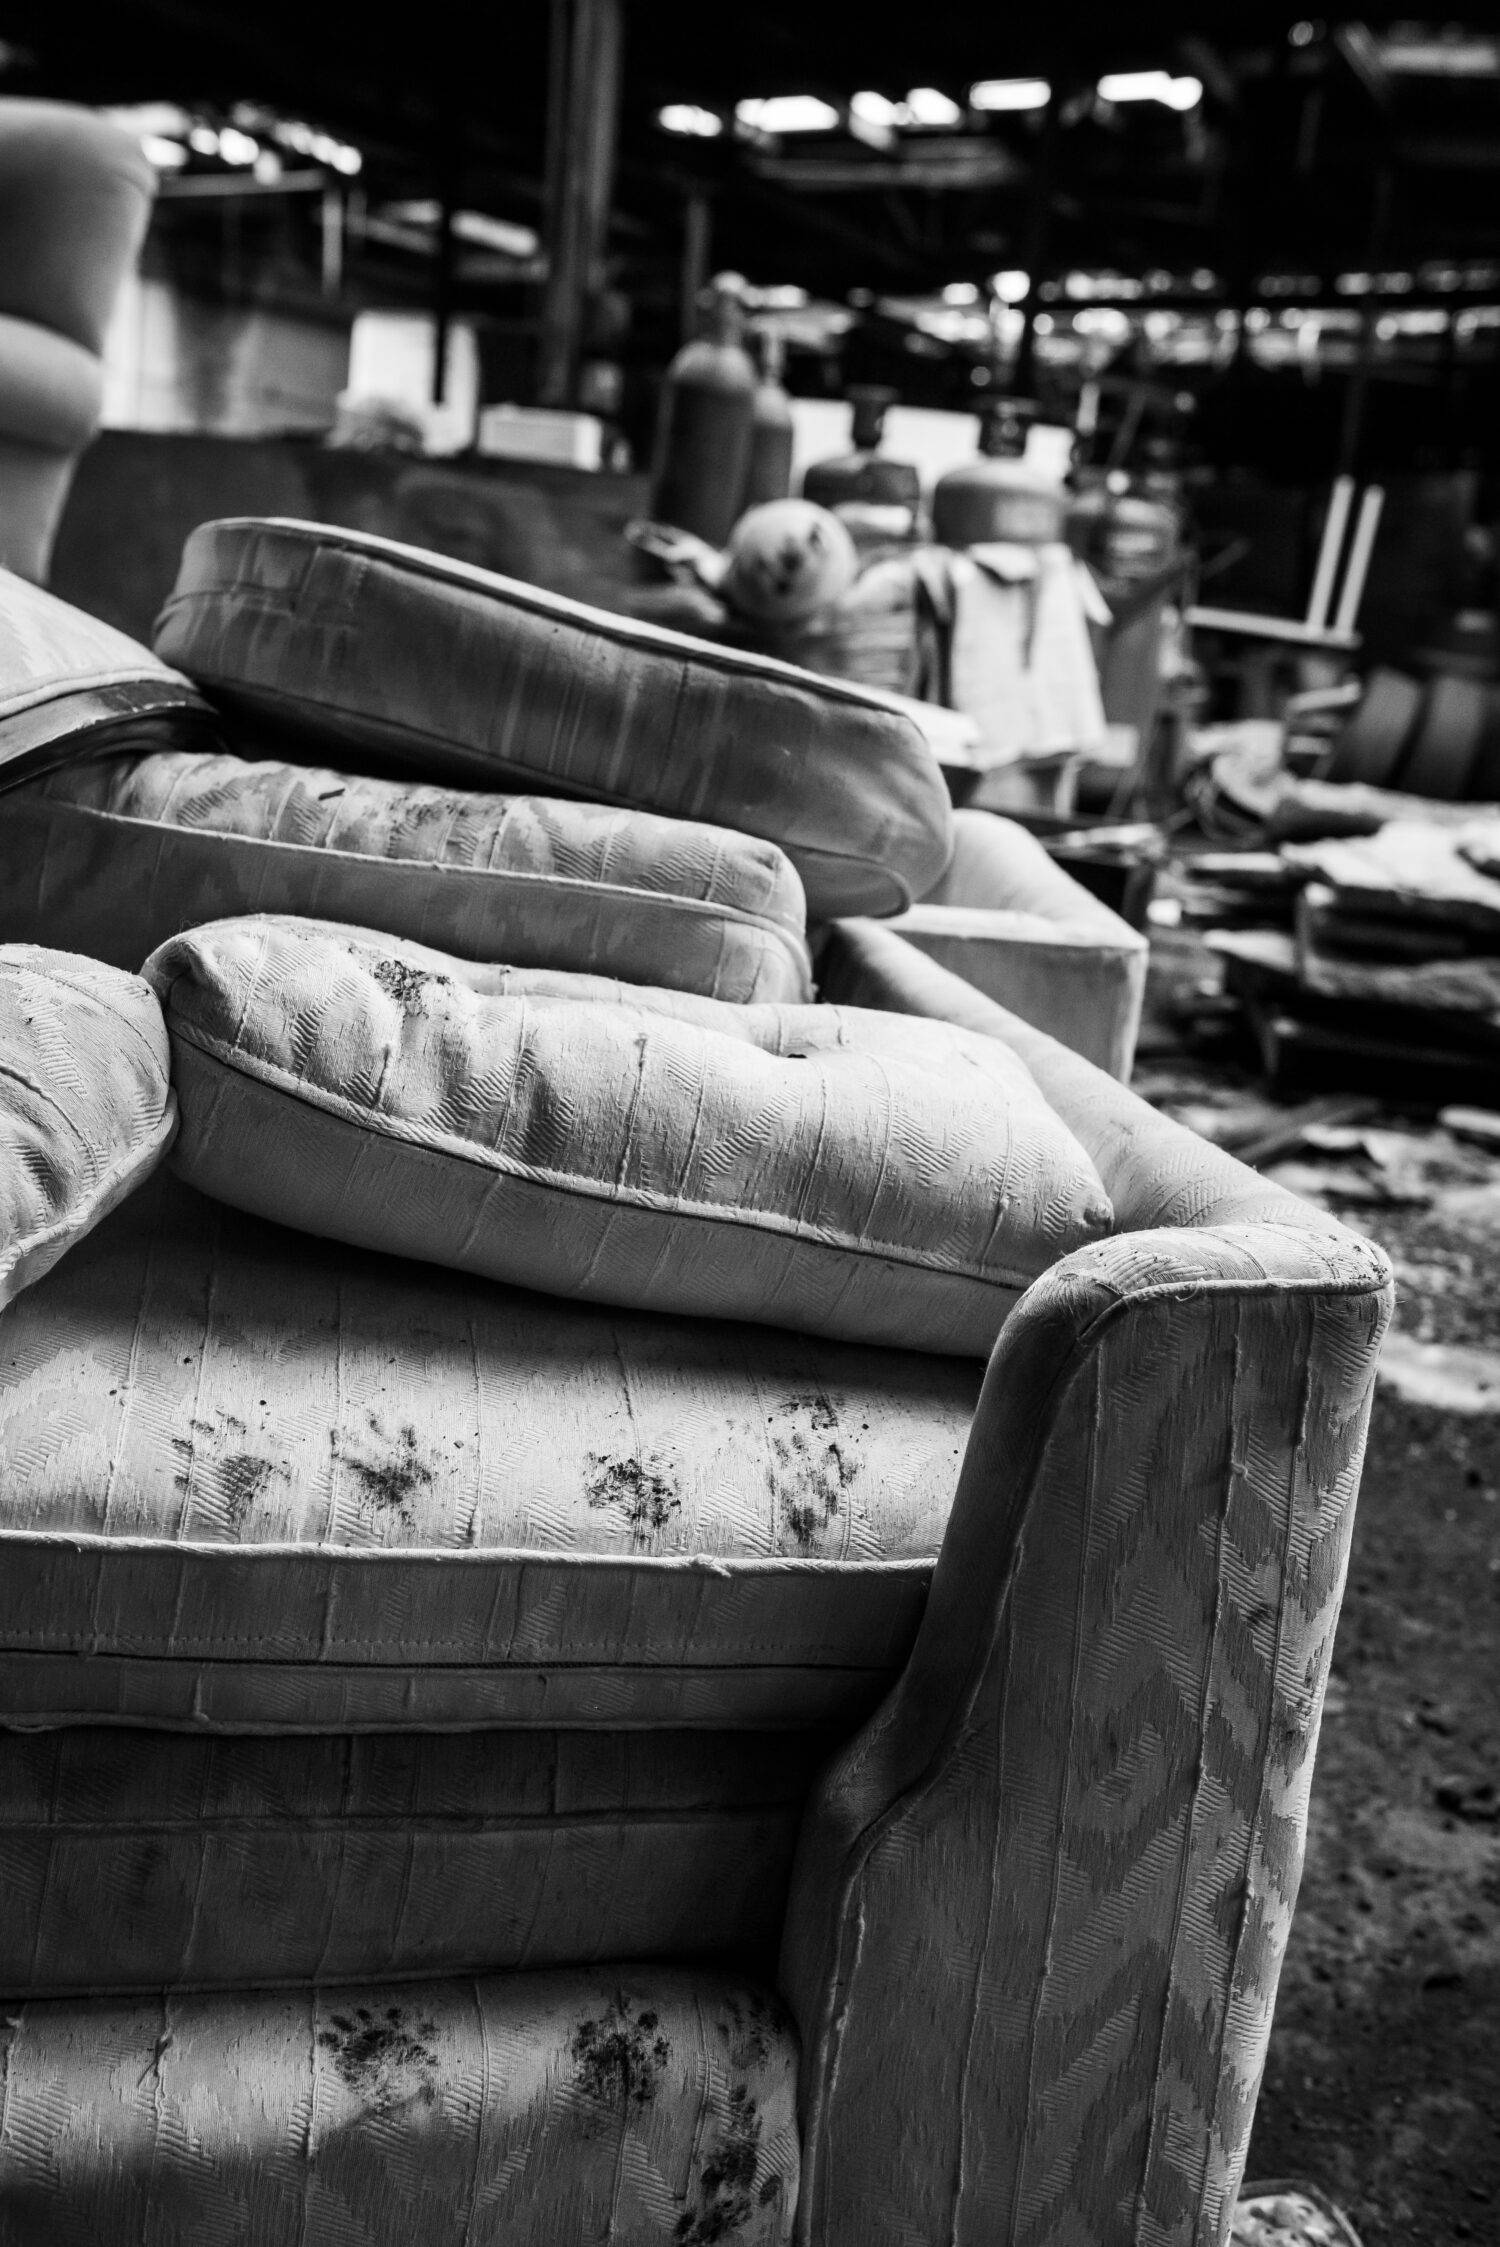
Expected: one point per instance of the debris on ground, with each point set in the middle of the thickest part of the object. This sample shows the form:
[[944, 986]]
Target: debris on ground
[[1290, 2215], [1383, 2076]]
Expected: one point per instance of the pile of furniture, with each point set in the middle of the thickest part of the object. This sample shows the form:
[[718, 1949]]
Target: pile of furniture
[[663, 1575]]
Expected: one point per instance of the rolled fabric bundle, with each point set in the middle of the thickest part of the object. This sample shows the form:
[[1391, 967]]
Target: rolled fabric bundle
[[843, 1173], [452, 673], [85, 1107], [113, 858]]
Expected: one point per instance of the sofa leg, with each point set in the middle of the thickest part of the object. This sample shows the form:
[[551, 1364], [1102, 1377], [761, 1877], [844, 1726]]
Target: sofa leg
[[1041, 1902]]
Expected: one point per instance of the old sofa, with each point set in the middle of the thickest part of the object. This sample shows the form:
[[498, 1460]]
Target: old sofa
[[488, 1770]]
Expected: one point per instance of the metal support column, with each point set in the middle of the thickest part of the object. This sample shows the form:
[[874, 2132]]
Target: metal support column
[[582, 116]]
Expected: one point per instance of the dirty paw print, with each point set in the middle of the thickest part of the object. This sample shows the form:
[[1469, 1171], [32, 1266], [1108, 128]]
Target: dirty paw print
[[394, 1483], [813, 1467]]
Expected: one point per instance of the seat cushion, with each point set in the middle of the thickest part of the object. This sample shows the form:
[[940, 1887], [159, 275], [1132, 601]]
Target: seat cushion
[[613, 1152], [85, 1107], [69, 684], [649, 2106], [451, 673], [141, 1860], [260, 1481], [114, 856]]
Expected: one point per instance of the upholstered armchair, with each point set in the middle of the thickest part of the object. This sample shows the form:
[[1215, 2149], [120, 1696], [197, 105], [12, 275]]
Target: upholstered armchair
[[491, 1769], [75, 197]]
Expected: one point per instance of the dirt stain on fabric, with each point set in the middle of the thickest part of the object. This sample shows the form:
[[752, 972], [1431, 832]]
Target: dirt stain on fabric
[[237, 1477], [812, 1467], [726, 2188], [394, 1484], [640, 1489], [406, 984], [381, 2056], [618, 2060]]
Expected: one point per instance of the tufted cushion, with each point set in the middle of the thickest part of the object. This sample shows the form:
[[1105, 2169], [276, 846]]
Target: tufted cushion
[[113, 857], [648, 2106], [85, 1109], [148, 1860], [67, 680], [452, 673], [839, 1183], [260, 1481]]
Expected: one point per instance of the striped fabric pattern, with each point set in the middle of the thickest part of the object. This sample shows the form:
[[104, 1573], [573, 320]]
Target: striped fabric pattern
[[85, 1108], [147, 1860], [115, 856], [614, 1153], [646, 2105], [447, 672], [259, 1480]]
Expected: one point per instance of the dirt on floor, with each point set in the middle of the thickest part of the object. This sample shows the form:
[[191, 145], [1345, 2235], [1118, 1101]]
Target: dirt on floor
[[1383, 2082]]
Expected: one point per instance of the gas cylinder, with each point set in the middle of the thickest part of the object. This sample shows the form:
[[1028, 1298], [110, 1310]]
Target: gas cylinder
[[769, 475], [996, 496], [865, 477], [707, 416], [1124, 536]]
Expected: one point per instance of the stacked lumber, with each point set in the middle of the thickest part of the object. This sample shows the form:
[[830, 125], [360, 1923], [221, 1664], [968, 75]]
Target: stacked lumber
[[1391, 960]]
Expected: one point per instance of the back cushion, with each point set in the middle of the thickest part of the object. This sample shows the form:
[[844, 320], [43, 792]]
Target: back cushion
[[867, 1177], [114, 857], [85, 1110], [452, 673]]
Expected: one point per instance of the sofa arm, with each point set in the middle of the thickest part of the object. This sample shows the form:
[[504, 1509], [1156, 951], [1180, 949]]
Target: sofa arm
[[1041, 1901]]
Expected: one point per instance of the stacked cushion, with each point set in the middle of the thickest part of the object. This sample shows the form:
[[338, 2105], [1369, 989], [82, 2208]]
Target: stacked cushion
[[261, 1481], [449, 672], [151, 1860], [539, 2110], [113, 857], [85, 1109], [832, 1180], [69, 683]]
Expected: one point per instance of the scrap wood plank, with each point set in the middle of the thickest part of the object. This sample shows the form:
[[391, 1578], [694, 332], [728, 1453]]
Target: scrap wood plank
[[1410, 870]]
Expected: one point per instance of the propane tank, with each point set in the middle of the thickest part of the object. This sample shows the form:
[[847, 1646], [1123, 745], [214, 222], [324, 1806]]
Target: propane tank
[[707, 416], [1124, 536], [865, 477], [996, 495], [769, 475]]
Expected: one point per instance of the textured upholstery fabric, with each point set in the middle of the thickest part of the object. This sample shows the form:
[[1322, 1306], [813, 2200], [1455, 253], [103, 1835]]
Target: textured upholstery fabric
[[85, 1108], [611, 1152], [69, 683], [455, 674], [260, 1481], [75, 196], [113, 857], [647, 2106], [140, 1861], [1012, 922]]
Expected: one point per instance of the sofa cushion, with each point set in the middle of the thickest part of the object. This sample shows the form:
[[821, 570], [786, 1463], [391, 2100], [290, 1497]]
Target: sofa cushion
[[259, 1481], [452, 673], [113, 857], [85, 1107], [613, 1152], [148, 1860], [649, 2105], [69, 683]]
